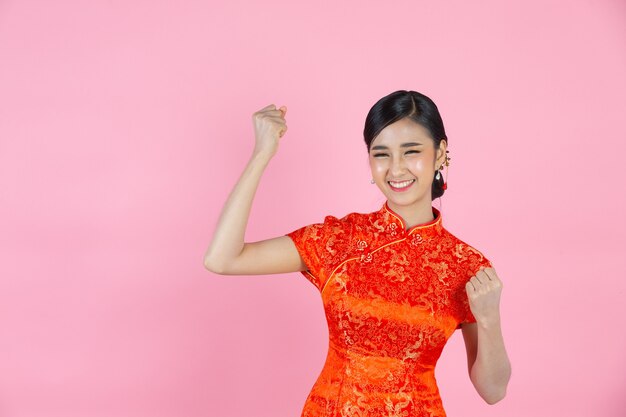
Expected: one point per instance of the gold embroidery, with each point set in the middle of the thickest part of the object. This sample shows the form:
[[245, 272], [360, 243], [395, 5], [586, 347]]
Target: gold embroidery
[[395, 298]]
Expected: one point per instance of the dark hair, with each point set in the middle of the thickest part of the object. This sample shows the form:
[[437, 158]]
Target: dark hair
[[418, 108]]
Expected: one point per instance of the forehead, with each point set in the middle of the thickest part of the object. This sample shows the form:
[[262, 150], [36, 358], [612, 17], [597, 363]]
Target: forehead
[[403, 130]]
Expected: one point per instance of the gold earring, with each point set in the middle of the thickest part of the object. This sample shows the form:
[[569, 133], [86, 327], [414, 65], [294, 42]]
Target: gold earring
[[438, 176], [446, 162]]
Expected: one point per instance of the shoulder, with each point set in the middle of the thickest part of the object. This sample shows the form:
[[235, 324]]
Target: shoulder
[[352, 220], [466, 254], [337, 230], [360, 219], [461, 247], [331, 226]]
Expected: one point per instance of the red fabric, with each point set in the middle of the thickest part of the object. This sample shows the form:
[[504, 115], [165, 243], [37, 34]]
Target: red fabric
[[392, 298]]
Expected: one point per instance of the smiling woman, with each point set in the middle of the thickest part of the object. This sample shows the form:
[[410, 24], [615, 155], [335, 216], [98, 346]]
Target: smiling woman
[[395, 283], [406, 141]]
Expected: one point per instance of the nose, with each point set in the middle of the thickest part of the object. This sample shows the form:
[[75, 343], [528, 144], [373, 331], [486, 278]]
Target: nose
[[397, 167]]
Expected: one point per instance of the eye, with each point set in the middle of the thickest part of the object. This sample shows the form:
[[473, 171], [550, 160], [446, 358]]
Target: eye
[[384, 154]]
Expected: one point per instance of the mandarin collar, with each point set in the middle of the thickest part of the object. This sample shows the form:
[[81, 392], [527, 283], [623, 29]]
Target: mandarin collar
[[393, 222]]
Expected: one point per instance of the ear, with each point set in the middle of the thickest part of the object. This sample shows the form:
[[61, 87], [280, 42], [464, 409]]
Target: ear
[[441, 152]]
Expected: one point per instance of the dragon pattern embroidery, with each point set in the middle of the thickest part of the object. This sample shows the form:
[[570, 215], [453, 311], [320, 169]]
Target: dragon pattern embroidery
[[392, 297]]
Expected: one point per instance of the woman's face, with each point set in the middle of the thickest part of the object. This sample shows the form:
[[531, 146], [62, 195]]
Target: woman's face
[[404, 151]]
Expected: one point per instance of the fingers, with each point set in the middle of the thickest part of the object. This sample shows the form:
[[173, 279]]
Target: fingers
[[276, 119], [277, 113], [485, 278], [480, 277], [271, 109], [486, 273], [473, 284]]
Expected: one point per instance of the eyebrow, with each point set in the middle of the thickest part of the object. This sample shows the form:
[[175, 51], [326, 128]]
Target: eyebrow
[[404, 145]]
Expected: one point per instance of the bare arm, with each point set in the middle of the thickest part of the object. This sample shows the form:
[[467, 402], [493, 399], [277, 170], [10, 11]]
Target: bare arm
[[488, 363], [227, 253]]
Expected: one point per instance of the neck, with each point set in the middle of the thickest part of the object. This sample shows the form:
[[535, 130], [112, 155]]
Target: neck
[[414, 214]]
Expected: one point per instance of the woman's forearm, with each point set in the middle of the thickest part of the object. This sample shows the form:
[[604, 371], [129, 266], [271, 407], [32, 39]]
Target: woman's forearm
[[228, 237], [491, 370]]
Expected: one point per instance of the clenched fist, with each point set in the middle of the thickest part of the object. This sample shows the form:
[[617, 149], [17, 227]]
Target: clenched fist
[[269, 127], [483, 292]]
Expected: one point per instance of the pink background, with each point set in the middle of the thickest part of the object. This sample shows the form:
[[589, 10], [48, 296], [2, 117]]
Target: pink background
[[125, 124]]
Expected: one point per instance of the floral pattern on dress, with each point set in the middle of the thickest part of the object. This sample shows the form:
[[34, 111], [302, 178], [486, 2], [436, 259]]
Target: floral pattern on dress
[[392, 296]]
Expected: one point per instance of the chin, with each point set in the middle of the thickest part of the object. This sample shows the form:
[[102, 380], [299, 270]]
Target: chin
[[406, 199]]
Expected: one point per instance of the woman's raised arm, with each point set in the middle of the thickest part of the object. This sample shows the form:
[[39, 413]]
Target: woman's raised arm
[[227, 253]]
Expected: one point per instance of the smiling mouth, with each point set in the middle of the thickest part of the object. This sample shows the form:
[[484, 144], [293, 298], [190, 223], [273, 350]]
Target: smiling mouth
[[401, 186]]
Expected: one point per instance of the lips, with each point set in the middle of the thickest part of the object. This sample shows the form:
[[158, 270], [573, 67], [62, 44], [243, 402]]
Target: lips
[[404, 185]]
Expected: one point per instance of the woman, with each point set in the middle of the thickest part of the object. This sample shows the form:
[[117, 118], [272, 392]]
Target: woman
[[395, 283]]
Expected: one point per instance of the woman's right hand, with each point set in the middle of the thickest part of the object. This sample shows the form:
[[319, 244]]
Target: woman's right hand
[[269, 127]]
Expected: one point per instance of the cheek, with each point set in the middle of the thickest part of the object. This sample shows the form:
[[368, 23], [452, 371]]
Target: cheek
[[419, 166], [378, 168]]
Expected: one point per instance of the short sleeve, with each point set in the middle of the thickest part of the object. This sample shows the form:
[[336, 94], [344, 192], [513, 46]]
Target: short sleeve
[[322, 246], [472, 260]]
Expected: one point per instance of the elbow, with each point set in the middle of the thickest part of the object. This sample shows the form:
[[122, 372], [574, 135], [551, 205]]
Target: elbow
[[493, 391], [495, 398], [213, 267], [494, 394]]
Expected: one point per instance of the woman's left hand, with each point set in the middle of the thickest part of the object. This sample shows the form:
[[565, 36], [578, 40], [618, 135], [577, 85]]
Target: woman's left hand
[[483, 292]]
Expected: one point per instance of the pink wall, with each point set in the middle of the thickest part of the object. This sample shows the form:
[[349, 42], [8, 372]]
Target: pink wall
[[125, 124]]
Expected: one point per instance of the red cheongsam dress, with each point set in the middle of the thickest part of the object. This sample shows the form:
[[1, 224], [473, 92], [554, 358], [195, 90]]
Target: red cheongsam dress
[[392, 298]]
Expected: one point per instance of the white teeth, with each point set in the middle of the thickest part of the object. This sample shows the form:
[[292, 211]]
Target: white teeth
[[401, 184]]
